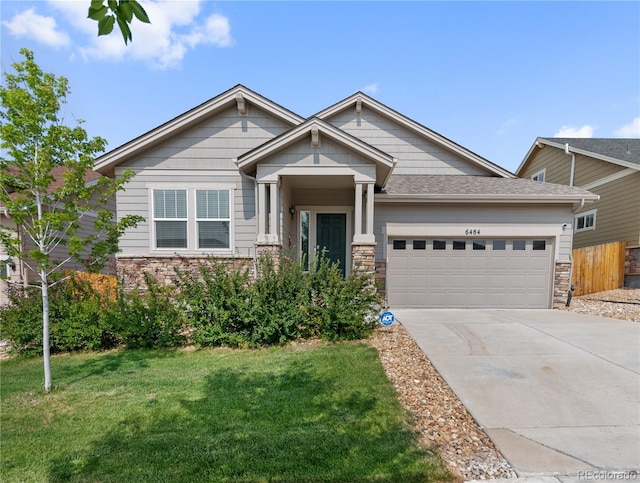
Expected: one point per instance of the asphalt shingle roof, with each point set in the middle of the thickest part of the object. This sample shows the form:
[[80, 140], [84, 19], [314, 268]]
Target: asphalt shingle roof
[[627, 149], [478, 185]]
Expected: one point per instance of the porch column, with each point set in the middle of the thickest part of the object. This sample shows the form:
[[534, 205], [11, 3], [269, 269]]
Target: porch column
[[274, 229], [262, 213], [357, 228], [369, 227]]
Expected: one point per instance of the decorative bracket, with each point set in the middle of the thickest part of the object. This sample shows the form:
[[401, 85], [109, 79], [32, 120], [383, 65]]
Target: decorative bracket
[[242, 105], [358, 106], [315, 137]]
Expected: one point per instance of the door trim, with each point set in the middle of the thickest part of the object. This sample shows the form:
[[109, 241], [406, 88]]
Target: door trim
[[316, 210]]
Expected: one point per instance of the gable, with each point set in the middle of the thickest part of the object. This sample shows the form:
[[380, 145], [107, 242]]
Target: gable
[[419, 150], [213, 143], [244, 100]]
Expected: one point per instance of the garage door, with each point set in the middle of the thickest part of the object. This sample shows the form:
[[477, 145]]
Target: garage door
[[469, 273]]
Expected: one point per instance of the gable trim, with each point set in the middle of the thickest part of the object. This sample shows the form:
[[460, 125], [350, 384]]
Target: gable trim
[[106, 163], [541, 143], [316, 128], [359, 99]]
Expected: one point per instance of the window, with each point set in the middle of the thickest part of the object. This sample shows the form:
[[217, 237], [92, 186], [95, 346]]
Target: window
[[539, 176], [479, 244], [419, 244], [304, 238], [519, 244], [4, 271], [499, 244], [439, 244], [585, 221], [539, 244], [170, 218], [459, 245], [192, 218], [399, 244], [212, 219]]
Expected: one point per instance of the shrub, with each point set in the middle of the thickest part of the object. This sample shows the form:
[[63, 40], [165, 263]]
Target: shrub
[[148, 320]]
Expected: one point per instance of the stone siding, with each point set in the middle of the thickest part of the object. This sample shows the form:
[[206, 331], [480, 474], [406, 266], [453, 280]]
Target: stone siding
[[561, 283], [364, 258], [131, 270], [632, 261]]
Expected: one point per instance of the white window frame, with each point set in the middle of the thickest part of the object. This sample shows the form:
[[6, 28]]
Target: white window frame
[[154, 219], [198, 220], [539, 176], [584, 215], [192, 221]]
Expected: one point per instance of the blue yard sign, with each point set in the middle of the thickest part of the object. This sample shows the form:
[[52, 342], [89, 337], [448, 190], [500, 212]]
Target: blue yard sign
[[387, 318]]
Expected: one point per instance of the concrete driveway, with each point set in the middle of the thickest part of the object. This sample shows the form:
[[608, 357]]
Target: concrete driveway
[[557, 392]]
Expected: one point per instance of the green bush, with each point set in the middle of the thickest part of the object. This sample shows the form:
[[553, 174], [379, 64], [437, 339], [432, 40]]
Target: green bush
[[150, 319], [76, 319], [225, 307]]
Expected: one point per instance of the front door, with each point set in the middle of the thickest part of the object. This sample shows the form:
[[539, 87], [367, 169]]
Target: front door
[[331, 237]]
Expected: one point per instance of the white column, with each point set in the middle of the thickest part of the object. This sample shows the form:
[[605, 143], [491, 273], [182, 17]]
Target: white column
[[262, 212], [357, 229], [274, 229], [369, 228]]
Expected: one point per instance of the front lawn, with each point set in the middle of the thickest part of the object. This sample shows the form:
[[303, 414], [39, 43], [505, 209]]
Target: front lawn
[[321, 413]]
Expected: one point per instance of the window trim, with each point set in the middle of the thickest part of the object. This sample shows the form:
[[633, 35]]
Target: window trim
[[540, 174], [192, 226], [154, 219], [584, 215], [198, 220]]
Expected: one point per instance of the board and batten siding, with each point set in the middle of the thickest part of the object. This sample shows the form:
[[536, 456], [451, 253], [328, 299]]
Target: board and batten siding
[[203, 156], [494, 221], [415, 154]]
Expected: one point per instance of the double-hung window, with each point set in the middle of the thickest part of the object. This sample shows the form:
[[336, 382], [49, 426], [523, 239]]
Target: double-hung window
[[213, 220], [170, 218]]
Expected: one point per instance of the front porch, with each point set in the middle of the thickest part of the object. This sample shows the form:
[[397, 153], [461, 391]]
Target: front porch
[[306, 216]]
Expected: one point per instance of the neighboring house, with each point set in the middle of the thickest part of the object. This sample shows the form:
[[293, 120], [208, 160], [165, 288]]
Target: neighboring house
[[14, 270], [240, 176], [607, 167]]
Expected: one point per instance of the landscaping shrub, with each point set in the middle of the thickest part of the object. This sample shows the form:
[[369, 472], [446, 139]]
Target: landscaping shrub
[[76, 319], [284, 303], [148, 320]]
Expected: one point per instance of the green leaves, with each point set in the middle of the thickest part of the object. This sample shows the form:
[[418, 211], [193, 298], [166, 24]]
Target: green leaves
[[117, 11]]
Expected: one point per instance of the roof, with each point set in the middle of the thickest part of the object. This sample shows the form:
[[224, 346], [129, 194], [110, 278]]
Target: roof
[[479, 188], [621, 151], [359, 98], [384, 162], [236, 95]]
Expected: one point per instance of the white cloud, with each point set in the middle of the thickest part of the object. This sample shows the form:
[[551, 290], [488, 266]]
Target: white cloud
[[370, 88], [38, 27], [631, 130], [507, 125], [585, 131], [174, 30]]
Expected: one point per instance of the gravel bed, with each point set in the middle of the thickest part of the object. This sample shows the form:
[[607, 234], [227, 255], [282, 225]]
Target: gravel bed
[[440, 418]]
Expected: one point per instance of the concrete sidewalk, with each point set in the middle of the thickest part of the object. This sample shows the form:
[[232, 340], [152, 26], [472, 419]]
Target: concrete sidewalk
[[557, 392]]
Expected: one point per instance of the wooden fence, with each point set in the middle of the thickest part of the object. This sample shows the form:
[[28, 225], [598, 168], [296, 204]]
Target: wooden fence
[[598, 268]]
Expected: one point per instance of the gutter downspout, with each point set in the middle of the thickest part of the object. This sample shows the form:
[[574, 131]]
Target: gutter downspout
[[255, 197], [573, 164]]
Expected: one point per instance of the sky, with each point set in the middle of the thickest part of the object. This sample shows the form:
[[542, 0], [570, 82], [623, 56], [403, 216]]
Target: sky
[[490, 76]]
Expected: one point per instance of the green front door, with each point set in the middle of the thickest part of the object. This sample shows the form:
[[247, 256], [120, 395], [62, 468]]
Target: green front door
[[332, 237]]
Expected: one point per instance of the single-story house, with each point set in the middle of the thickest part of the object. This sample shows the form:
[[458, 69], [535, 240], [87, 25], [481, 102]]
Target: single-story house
[[607, 167], [240, 175]]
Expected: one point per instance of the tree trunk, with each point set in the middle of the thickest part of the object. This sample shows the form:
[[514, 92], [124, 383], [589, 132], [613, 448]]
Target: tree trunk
[[45, 330]]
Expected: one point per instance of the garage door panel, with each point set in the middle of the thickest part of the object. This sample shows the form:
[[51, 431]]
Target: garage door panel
[[470, 278]]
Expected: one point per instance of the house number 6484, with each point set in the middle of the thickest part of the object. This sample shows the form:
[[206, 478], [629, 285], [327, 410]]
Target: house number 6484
[[472, 231]]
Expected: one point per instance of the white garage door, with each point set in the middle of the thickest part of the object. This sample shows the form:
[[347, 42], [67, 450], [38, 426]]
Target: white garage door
[[469, 273]]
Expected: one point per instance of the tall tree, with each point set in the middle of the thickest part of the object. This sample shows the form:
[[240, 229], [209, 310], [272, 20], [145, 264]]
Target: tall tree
[[121, 12], [44, 169]]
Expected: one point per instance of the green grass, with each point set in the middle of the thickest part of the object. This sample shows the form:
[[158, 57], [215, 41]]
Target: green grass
[[283, 415]]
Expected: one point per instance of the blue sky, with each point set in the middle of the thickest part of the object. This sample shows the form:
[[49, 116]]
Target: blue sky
[[491, 76]]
